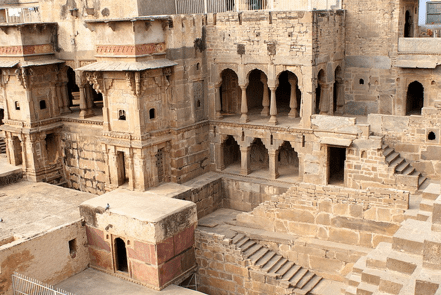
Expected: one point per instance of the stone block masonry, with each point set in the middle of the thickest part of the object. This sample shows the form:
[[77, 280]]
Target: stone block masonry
[[362, 218]]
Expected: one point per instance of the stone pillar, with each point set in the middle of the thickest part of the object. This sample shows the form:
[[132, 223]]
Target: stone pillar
[[217, 105], [83, 104], [324, 98], [340, 91], [89, 102], [245, 158], [106, 122], [219, 152], [273, 110], [293, 99], [65, 98], [273, 163], [244, 106], [132, 170], [265, 101], [113, 168]]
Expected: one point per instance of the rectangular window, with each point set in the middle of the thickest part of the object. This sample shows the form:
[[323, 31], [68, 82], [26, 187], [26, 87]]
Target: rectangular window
[[73, 248], [433, 12]]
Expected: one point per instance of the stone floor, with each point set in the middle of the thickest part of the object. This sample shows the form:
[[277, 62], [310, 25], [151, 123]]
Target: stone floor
[[94, 282], [29, 208], [6, 168]]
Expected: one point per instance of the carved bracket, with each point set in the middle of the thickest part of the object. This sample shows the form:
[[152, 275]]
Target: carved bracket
[[96, 80]]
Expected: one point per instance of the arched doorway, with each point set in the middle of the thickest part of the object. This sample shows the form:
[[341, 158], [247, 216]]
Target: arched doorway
[[288, 160], [121, 256], [231, 152], [415, 98], [318, 92], [287, 100], [338, 97], [255, 90], [230, 93], [259, 159]]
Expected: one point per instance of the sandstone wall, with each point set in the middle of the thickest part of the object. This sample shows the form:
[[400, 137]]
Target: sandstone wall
[[85, 161], [410, 137], [45, 257], [342, 215]]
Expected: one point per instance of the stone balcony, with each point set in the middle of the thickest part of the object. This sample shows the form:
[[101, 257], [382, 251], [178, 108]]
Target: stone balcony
[[413, 52]]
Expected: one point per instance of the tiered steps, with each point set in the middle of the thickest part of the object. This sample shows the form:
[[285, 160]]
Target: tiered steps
[[400, 165], [290, 275]]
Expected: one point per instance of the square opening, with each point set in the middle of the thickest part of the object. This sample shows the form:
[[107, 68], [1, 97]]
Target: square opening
[[73, 248]]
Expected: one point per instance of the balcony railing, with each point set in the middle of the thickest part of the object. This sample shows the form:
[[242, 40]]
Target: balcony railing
[[216, 6]]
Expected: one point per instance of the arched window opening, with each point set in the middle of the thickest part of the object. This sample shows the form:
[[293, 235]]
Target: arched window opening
[[231, 152], [121, 255], [288, 99], [318, 93], [152, 114], [415, 98], [256, 95], [288, 160], [259, 159], [431, 136], [72, 88], [338, 95], [122, 115], [230, 93]]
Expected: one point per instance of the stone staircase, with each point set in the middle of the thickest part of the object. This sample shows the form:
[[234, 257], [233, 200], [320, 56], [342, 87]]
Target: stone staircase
[[2, 145], [401, 165], [401, 267], [273, 265]]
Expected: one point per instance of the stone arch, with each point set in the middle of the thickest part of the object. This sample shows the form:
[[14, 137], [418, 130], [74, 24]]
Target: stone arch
[[231, 151], [230, 92], [73, 91], [257, 89], [288, 159], [287, 99], [259, 158], [414, 98]]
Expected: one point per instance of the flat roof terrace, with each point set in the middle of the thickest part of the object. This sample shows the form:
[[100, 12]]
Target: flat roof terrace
[[29, 209]]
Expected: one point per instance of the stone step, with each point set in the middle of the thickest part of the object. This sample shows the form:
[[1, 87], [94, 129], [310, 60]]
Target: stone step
[[426, 205], [392, 283], [404, 263], [371, 276], [392, 157], [408, 171], [410, 236], [366, 289], [259, 254], [237, 238], [400, 168], [431, 192], [397, 162], [384, 146], [287, 266], [278, 265], [242, 243], [271, 263], [422, 180], [291, 272], [350, 291], [305, 279], [360, 265], [298, 276], [246, 245], [388, 151], [377, 257], [252, 250], [353, 279], [423, 216], [266, 258], [311, 284]]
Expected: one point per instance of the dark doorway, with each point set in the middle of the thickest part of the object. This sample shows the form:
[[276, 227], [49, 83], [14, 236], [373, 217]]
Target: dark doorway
[[259, 156], [255, 90], [415, 98], [2, 116], [121, 169], [318, 91], [230, 93], [338, 90], [283, 92], [231, 152], [336, 169], [72, 88], [121, 255], [408, 25], [51, 148]]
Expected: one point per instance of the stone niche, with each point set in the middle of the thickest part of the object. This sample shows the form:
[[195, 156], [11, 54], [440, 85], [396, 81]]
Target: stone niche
[[144, 238]]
